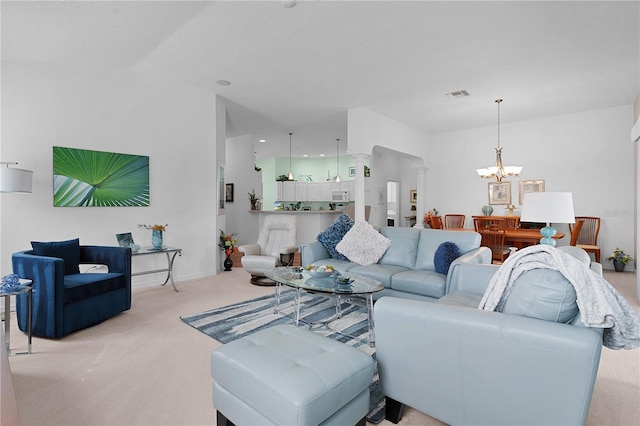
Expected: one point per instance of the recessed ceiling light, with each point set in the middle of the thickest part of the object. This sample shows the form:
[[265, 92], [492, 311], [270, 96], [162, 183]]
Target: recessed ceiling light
[[305, 155], [223, 82], [321, 155], [262, 140]]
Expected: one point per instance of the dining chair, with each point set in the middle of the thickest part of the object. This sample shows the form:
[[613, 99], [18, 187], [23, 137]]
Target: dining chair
[[435, 222], [575, 231], [511, 223], [492, 231], [454, 221], [588, 236]]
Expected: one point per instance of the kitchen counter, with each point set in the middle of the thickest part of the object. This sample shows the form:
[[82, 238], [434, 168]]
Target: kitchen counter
[[295, 211]]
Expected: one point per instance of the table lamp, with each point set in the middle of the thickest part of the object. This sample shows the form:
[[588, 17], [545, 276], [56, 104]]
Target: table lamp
[[548, 207]]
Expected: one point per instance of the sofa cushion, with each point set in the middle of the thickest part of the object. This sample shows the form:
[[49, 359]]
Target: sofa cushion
[[424, 283], [331, 236], [446, 253], [68, 251], [543, 294], [430, 240], [404, 248], [382, 273], [363, 244], [83, 286]]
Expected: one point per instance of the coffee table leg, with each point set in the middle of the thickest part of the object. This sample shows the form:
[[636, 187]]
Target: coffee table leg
[[298, 305], [276, 307], [372, 331]]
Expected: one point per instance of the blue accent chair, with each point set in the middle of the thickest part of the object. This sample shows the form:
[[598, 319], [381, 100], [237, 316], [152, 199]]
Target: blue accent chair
[[66, 303]]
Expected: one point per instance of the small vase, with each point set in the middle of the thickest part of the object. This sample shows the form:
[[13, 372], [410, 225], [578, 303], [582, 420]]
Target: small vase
[[618, 266], [228, 263], [156, 239], [487, 210]]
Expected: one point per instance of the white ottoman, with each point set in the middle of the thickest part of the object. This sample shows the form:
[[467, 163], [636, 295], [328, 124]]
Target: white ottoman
[[284, 375]]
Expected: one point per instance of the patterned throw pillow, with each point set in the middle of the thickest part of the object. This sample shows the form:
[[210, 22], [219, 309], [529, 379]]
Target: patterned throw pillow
[[331, 236], [363, 244], [446, 253]]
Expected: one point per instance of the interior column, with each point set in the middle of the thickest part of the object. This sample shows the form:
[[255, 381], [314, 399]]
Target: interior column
[[420, 202], [359, 198]]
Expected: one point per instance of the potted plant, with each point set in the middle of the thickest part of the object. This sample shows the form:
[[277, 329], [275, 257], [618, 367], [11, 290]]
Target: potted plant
[[620, 259], [253, 199]]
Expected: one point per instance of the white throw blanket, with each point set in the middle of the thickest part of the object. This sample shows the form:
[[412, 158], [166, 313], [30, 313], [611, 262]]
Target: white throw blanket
[[600, 305]]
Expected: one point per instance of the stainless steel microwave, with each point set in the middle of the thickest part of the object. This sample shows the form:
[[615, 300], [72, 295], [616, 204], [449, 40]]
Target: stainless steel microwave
[[339, 196]]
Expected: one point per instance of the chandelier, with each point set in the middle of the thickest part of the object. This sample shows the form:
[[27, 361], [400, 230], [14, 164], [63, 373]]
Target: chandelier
[[499, 171]]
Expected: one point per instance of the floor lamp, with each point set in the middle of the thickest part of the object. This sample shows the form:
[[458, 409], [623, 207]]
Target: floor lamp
[[548, 207]]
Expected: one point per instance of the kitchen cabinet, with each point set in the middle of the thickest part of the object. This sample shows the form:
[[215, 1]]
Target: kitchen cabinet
[[313, 191]]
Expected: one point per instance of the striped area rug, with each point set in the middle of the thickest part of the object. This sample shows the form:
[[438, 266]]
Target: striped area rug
[[243, 318]]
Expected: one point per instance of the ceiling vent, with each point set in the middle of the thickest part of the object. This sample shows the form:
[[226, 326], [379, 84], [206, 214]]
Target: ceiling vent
[[458, 94]]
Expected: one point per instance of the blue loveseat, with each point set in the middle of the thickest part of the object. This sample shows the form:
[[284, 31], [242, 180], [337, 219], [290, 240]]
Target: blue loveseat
[[65, 300], [407, 268]]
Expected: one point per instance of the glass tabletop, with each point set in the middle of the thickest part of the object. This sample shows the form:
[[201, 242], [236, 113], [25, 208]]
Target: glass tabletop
[[303, 280], [151, 250], [21, 289]]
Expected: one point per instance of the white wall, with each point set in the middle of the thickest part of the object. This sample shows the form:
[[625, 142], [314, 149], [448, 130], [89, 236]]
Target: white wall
[[117, 111], [587, 153]]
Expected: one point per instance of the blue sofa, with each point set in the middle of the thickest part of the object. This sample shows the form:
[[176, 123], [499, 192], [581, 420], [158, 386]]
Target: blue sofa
[[463, 365], [63, 303], [407, 268]]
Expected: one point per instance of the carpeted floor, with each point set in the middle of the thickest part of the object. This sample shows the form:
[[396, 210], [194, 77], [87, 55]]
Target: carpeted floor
[[146, 367], [241, 319]]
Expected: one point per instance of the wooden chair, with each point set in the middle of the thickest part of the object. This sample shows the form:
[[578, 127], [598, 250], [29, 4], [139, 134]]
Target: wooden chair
[[492, 231], [588, 236], [454, 221], [511, 223], [436, 222], [575, 231]]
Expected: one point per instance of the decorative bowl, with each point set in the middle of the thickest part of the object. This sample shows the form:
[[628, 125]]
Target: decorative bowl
[[343, 280], [320, 274]]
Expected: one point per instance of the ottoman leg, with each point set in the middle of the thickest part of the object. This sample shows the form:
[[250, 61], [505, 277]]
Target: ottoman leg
[[221, 420]]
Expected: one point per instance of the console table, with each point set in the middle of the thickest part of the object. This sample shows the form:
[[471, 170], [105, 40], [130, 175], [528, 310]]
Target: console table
[[170, 252]]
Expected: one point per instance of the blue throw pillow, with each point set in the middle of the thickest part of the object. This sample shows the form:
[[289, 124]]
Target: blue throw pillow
[[331, 236], [446, 253], [69, 251]]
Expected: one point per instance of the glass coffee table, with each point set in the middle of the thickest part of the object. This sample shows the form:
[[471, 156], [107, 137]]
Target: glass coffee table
[[359, 292]]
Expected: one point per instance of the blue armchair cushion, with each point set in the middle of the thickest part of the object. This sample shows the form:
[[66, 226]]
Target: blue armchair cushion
[[68, 251], [543, 294], [446, 253], [331, 236], [83, 286]]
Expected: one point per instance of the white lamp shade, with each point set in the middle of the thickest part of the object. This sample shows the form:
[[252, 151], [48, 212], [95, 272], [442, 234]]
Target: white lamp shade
[[15, 180], [548, 207]]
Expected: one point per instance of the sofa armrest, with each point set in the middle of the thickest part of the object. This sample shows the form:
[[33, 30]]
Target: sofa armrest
[[479, 256], [250, 249], [311, 252], [471, 278], [489, 366]]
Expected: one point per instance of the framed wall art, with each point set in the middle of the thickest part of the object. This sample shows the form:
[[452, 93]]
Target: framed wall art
[[413, 196], [86, 178], [499, 193], [352, 171], [228, 193], [530, 186]]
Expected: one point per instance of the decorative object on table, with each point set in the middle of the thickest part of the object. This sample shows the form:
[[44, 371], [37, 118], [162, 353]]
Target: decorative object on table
[[487, 210], [526, 186], [228, 197], [548, 207], [620, 259], [125, 239], [500, 193], [156, 234], [10, 283], [321, 271], [85, 178], [253, 199], [228, 243], [498, 171], [14, 180], [343, 282], [511, 208]]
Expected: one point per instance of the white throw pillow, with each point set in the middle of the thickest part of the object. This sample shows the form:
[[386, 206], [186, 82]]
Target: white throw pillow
[[363, 244]]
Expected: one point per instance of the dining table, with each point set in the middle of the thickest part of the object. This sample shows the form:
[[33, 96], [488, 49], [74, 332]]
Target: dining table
[[522, 237]]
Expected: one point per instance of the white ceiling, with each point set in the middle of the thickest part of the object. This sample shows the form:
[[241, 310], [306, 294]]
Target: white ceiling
[[299, 69]]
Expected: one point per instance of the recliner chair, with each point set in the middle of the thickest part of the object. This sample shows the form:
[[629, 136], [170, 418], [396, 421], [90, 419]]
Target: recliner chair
[[276, 246]]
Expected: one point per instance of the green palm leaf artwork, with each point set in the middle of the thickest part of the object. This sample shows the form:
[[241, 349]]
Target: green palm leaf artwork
[[85, 178]]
